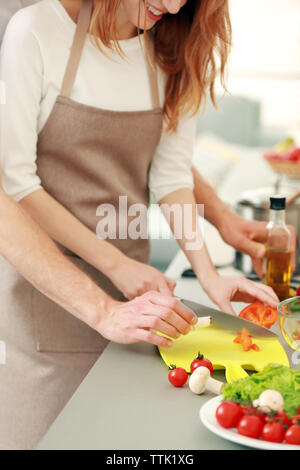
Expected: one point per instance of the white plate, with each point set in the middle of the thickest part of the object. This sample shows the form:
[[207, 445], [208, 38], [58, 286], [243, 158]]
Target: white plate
[[208, 418]]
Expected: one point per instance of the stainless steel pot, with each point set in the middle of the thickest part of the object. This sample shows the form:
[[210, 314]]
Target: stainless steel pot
[[254, 205]]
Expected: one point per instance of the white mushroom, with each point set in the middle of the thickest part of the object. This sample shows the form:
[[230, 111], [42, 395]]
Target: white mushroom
[[269, 400], [202, 322], [200, 380]]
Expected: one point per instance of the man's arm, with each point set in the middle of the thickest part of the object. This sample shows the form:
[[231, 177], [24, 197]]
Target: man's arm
[[36, 257], [247, 236]]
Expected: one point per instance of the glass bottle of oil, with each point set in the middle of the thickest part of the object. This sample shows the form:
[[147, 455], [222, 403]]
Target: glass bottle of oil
[[278, 250]]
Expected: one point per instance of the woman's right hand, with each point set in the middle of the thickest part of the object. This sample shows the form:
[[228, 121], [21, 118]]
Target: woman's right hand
[[134, 278], [132, 321]]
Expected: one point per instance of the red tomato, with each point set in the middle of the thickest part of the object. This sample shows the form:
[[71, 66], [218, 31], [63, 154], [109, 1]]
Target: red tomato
[[296, 420], [292, 435], [250, 426], [281, 417], [201, 361], [258, 313], [298, 294], [249, 410], [228, 414], [246, 409], [177, 376], [273, 432]]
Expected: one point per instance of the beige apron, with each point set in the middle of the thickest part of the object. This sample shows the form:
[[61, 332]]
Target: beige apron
[[86, 156]]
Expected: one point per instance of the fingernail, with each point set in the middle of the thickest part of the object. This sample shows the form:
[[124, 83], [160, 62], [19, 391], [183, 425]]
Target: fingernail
[[194, 320], [169, 343]]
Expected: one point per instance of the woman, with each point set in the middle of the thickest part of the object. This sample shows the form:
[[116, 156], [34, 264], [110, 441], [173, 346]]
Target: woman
[[87, 130]]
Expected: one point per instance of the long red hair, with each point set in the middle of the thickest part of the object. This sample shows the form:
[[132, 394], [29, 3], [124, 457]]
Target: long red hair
[[191, 48]]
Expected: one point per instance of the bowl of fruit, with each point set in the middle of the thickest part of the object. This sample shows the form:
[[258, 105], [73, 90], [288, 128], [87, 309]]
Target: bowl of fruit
[[284, 158]]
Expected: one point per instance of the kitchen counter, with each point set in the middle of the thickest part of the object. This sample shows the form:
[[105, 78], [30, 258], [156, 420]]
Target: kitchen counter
[[126, 401]]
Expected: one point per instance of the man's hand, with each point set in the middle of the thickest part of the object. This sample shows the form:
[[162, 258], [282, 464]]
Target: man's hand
[[249, 236]]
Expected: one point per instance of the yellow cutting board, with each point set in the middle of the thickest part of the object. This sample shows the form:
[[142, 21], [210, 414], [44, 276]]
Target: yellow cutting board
[[216, 344]]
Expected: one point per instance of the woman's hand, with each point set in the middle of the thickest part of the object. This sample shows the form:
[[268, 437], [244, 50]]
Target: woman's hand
[[249, 237], [134, 278], [224, 290], [132, 321]]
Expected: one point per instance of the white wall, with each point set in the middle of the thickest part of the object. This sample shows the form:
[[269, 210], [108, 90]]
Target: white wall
[[265, 60]]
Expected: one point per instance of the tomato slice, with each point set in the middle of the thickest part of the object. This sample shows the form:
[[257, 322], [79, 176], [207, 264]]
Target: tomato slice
[[261, 314], [245, 340], [252, 312], [269, 316]]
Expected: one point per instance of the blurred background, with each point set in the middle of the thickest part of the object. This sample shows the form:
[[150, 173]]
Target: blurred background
[[265, 70], [261, 110]]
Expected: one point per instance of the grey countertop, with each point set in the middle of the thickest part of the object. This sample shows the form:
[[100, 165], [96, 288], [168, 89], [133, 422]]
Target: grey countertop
[[126, 401]]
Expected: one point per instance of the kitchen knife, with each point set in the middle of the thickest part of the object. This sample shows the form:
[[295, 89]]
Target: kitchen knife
[[227, 321]]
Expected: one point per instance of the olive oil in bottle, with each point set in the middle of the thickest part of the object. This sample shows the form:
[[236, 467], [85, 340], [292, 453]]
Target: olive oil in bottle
[[278, 250]]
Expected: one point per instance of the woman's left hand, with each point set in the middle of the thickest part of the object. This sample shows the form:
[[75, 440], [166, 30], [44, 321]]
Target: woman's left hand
[[249, 237], [224, 290]]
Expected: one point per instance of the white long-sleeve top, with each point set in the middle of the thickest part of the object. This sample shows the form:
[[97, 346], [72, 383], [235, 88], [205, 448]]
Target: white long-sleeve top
[[34, 55]]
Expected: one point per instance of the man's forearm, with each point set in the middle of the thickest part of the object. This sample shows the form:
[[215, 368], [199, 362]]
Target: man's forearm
[[214, 208], [37, 258]]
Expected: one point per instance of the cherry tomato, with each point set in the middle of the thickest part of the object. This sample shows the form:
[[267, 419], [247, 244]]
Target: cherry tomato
[[298, 294], [177, 376], [296, 420], [228, 414], [292, 435], [273, 432], [201, 361], [249, 410], [281, 417], [250, 426]]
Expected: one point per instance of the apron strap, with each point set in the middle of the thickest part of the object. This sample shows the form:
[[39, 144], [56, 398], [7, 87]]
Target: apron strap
[[77, 47], [82, 29]]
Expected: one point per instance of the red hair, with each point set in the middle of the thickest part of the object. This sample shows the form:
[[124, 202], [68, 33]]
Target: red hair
[[191, 48]]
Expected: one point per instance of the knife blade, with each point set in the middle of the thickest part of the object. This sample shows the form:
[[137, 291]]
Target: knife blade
[[227, 321]]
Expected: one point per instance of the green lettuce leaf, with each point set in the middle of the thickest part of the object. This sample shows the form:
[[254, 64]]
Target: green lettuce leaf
[[273, 376]]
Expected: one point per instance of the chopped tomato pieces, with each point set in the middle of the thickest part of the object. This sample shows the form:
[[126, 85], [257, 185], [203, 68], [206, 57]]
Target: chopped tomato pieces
[[245, 340], [258, 313]]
